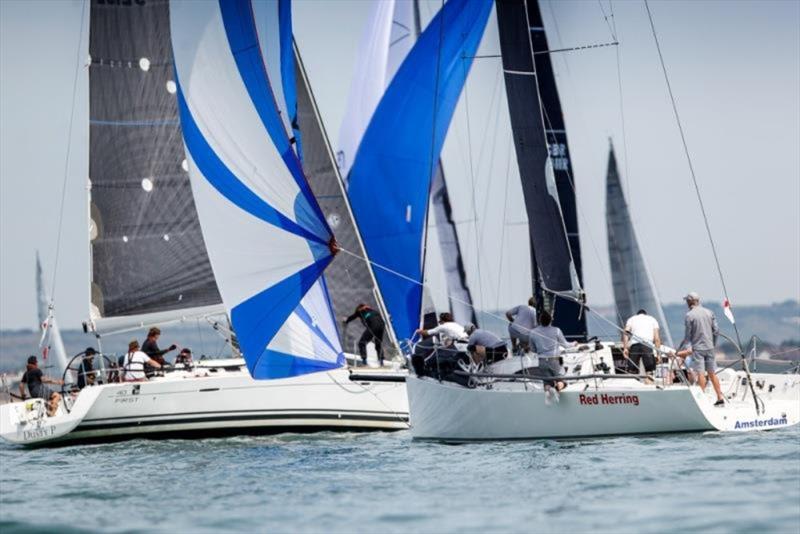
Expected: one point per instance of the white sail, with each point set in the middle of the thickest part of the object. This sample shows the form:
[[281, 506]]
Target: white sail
[[51, 345], [368, 83]]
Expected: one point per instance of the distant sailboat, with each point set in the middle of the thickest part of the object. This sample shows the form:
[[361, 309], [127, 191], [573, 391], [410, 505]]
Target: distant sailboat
[[51, 346], [633, 286]]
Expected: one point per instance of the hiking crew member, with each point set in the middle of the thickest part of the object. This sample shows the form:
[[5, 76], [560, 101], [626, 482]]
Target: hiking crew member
[[150, 346], [134, 362], [373, 330], [483, 344], [546, 340], [523, 320], [699, 340], [448, 330], [35, 380], [643, 330]]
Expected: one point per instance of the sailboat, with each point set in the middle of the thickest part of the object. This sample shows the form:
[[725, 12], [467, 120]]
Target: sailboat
[[503, 400], [630, 278], [204, 205], [51, 346]]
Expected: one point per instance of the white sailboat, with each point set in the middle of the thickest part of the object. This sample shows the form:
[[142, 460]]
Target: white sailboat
[[505, 401], [228, 226]]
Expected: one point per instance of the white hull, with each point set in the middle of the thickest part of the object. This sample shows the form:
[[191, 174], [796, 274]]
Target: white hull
[[613, 406], [223, 402]]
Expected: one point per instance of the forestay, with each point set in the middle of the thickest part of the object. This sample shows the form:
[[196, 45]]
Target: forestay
[[267, 239], [148, 253], [633, 287], [350, 280], [391, 177]]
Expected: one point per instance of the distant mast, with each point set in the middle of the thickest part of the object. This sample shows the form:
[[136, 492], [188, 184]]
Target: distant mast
[[633, 286]]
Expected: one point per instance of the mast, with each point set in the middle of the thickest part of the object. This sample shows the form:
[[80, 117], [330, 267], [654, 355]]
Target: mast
[[543, 158], [633, 286]]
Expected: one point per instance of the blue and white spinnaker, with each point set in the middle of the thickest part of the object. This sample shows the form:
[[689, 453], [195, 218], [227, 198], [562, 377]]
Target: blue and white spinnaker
[[390, 179], [267, 239]]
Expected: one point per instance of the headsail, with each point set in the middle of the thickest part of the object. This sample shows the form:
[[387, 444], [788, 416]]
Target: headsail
[[391, 177], [543, 159], [267, 238], [633, 287], [148, 253], [350, 278]]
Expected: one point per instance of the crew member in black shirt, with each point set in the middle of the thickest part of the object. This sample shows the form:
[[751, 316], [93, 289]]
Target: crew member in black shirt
[[35, 380], [150, 346], [373, 330]]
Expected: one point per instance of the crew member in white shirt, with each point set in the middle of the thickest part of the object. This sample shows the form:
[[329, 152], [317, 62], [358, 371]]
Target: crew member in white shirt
[[523, 320], [448, 330], [134, 362], [641, 334]]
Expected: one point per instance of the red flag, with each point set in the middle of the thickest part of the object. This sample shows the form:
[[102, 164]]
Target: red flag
[[726, 309]]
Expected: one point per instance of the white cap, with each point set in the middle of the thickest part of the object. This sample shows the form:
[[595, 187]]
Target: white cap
[[692, 295]]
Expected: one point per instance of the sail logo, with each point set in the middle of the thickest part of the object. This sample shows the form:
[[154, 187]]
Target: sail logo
[[558, 155], [605, 399], [760, 423]]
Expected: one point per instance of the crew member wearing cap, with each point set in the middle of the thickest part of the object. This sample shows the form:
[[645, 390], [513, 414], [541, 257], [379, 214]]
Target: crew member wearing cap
[[699, 340], [86, 374], [35, 381], [483, 344]]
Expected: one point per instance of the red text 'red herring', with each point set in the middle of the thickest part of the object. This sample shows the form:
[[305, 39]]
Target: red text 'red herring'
[[605, 398]]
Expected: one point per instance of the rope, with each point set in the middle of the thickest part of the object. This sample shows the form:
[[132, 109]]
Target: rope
[[691, 165], [69, 152]]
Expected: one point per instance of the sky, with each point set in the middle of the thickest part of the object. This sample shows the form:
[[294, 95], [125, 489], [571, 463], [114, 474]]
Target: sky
[[734, 69]]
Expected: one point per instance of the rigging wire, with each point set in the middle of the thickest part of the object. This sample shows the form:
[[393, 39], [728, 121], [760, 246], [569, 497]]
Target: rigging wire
[[69, 152], [691, 165]]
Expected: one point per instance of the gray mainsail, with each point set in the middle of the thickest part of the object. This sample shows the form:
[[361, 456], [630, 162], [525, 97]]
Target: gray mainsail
[[633, 287], [349, 278], [148, 254]]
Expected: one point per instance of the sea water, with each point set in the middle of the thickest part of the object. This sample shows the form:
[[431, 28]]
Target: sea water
[[385, 482]]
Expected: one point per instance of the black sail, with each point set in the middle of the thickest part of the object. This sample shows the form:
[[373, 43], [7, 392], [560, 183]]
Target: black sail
[[348, 278], [538, 128], [633, 287], [148, 253]]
